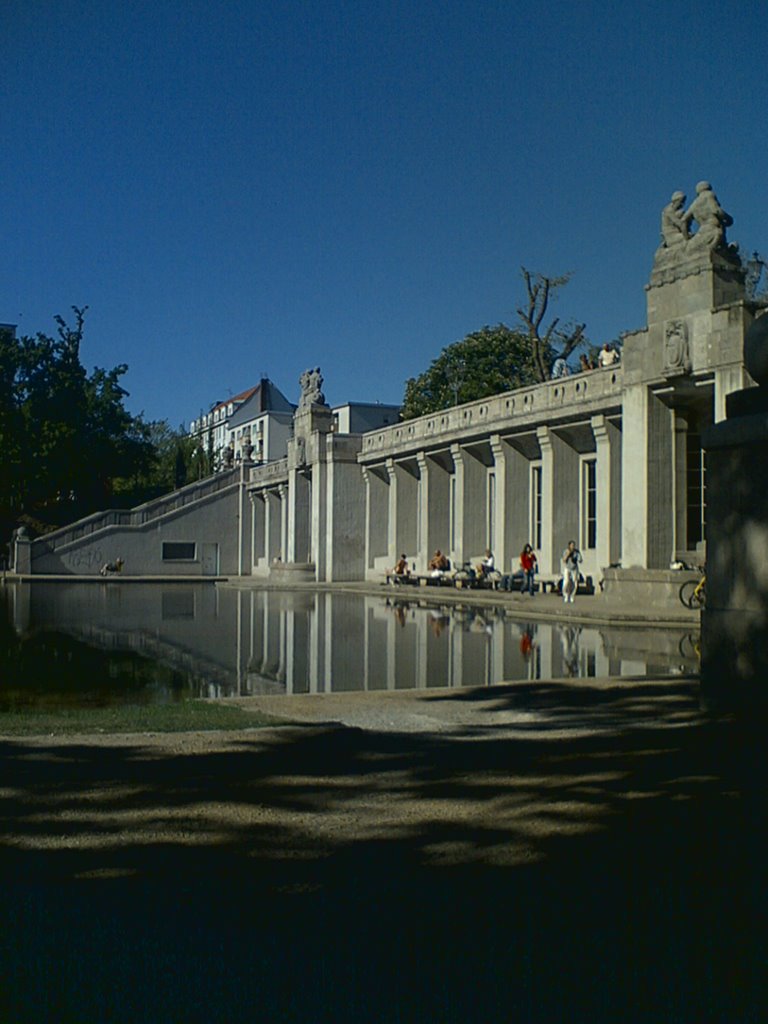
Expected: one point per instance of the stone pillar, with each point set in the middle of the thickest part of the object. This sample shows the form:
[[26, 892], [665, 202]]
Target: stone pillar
[[608, 453], [22, 552], [340, 524], [377, 501], [299, 515], [501, 547], [283, 492], [734, 667], [516, 503], [727, 380], [258, 520], [471, 495], [680, 483], [647, 511], [392, 525], [422, 513], [434, 502], [559, 499], [403, 511], [458, 556]]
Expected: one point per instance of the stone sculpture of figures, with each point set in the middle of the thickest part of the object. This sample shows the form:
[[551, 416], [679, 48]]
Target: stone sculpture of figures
[[311, 382], [710, 216], [674, 226]]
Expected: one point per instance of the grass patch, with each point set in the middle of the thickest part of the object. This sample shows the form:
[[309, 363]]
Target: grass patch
[[184, 716]]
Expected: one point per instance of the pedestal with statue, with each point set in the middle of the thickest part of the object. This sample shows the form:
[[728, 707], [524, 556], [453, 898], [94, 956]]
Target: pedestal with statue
[[324, 518]]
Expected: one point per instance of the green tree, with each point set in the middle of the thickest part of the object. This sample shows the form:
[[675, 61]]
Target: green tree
[[65, 435], [486, 362], [176, 459]]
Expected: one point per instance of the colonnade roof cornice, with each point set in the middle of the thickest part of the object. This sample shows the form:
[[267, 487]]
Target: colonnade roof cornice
[[555, 401]]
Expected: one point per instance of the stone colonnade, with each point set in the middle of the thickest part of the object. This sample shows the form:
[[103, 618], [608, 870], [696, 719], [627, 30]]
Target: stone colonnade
[[545, 486]]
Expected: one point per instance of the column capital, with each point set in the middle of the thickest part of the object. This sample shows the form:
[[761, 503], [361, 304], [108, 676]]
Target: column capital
[[599, 426], [544, 437], [497, 447]]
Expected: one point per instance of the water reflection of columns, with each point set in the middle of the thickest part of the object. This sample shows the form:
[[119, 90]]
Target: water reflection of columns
[[456, 657], [316, 637]]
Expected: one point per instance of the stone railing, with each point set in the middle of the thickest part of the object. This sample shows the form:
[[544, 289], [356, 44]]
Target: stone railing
[[271, 473], [142, 514], [581, 393]]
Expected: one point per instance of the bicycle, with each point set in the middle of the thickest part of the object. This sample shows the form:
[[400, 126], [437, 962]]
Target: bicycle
[[693, 593]]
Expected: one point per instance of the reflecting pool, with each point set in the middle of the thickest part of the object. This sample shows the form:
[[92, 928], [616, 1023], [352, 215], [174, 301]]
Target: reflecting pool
[[118, 642]]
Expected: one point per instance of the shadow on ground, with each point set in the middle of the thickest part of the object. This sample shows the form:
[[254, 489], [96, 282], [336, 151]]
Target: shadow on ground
[[330, 874]]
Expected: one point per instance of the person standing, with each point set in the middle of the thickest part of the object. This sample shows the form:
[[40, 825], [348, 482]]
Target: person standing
[[607, 355], [570, 560], [528, 565]]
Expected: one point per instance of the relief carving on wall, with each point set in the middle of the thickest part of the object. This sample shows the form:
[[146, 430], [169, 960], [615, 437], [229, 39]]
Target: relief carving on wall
[[677, 358]]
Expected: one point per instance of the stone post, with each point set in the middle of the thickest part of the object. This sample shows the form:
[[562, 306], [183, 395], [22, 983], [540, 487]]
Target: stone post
[[734, 667], [22, 552]]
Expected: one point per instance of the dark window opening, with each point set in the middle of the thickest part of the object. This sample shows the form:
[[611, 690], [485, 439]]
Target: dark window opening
[[178, 551]]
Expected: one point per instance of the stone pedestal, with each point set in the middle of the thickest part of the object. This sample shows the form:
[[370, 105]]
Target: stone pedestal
[[22, 553], [734, 667]]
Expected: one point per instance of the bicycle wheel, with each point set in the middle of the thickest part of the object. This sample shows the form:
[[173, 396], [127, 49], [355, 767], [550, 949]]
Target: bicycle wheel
[[690, 647], [689, 595]]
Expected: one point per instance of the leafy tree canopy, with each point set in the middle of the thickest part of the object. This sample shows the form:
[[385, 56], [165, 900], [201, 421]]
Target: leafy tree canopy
[[486, 362], [176, 459], [65, 435]]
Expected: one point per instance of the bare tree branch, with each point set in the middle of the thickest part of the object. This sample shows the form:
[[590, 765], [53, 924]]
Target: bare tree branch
[[540, 289]]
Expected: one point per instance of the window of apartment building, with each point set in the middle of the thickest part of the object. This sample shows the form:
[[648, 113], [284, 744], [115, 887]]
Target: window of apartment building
[[179, 551], [589, 503], [536, 505]]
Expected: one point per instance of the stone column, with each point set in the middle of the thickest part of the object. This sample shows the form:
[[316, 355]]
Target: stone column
[[559, 498], [501, 546], [734, 666], [22, 553], [283, 492], [471, 508], [608, 455], [258, 520], [377, 518], [403, 512], [457, 510], [422, 529], [341, 524], [647, 512], [299, 515], [679, 483]]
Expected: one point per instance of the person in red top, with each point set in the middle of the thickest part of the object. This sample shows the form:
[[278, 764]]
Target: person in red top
[[528, 565]]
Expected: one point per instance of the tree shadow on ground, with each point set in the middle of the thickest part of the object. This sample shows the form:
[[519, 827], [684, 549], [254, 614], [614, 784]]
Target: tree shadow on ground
[[331, 874]]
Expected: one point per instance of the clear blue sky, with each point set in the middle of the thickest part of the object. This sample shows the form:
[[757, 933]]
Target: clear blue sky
[[243, 188]]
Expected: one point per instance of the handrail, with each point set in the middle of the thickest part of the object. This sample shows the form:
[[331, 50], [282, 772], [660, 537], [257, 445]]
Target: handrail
[[141, 514]]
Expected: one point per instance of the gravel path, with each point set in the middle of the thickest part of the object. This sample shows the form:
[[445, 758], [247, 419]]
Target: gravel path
[[537, 851]]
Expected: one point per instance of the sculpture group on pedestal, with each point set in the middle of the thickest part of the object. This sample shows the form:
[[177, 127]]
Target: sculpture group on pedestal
[[709, 216], [311, 382]]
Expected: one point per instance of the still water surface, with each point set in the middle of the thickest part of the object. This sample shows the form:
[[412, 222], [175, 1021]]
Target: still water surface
[[112, 642]]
